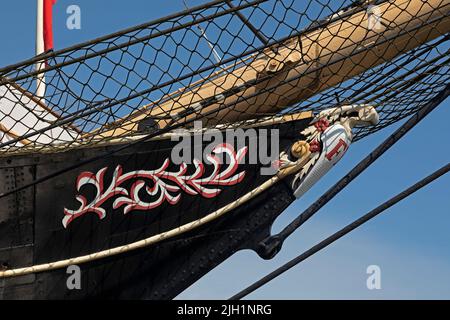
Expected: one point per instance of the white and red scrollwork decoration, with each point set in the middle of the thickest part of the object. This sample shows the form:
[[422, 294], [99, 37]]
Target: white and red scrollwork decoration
[[166, 186]]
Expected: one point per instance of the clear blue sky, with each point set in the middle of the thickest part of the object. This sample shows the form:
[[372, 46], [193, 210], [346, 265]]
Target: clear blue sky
[[410, 242]]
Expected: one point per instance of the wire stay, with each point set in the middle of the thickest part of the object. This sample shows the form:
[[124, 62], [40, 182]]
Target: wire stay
[[344, 231]]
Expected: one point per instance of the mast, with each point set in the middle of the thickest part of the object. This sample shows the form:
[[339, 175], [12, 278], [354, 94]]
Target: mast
[[40, 48]]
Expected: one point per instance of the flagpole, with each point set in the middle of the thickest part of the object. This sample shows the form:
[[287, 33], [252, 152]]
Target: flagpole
[[40, 81]]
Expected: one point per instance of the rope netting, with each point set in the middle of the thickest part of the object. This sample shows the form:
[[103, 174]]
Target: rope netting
[[225, 62]]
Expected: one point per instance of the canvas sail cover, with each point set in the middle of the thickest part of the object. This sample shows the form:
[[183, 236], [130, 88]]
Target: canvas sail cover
[[16, 104]]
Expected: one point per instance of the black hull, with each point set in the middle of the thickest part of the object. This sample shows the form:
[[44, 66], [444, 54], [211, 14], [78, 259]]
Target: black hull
[[32, 232]]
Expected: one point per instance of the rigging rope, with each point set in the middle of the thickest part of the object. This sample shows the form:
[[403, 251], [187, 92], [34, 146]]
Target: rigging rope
[[152, 239], [339, 234]]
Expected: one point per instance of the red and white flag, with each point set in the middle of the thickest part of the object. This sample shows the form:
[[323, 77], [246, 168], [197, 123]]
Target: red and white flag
[[44, 41], [48, 24]]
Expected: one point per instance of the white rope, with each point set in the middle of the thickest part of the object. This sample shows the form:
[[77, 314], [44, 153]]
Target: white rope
[[156, 238]]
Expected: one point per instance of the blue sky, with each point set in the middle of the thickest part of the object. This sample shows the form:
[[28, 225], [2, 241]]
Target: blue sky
[[410, 242]]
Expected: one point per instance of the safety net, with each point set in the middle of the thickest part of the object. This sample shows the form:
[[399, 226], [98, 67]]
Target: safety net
[[225, 62]]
